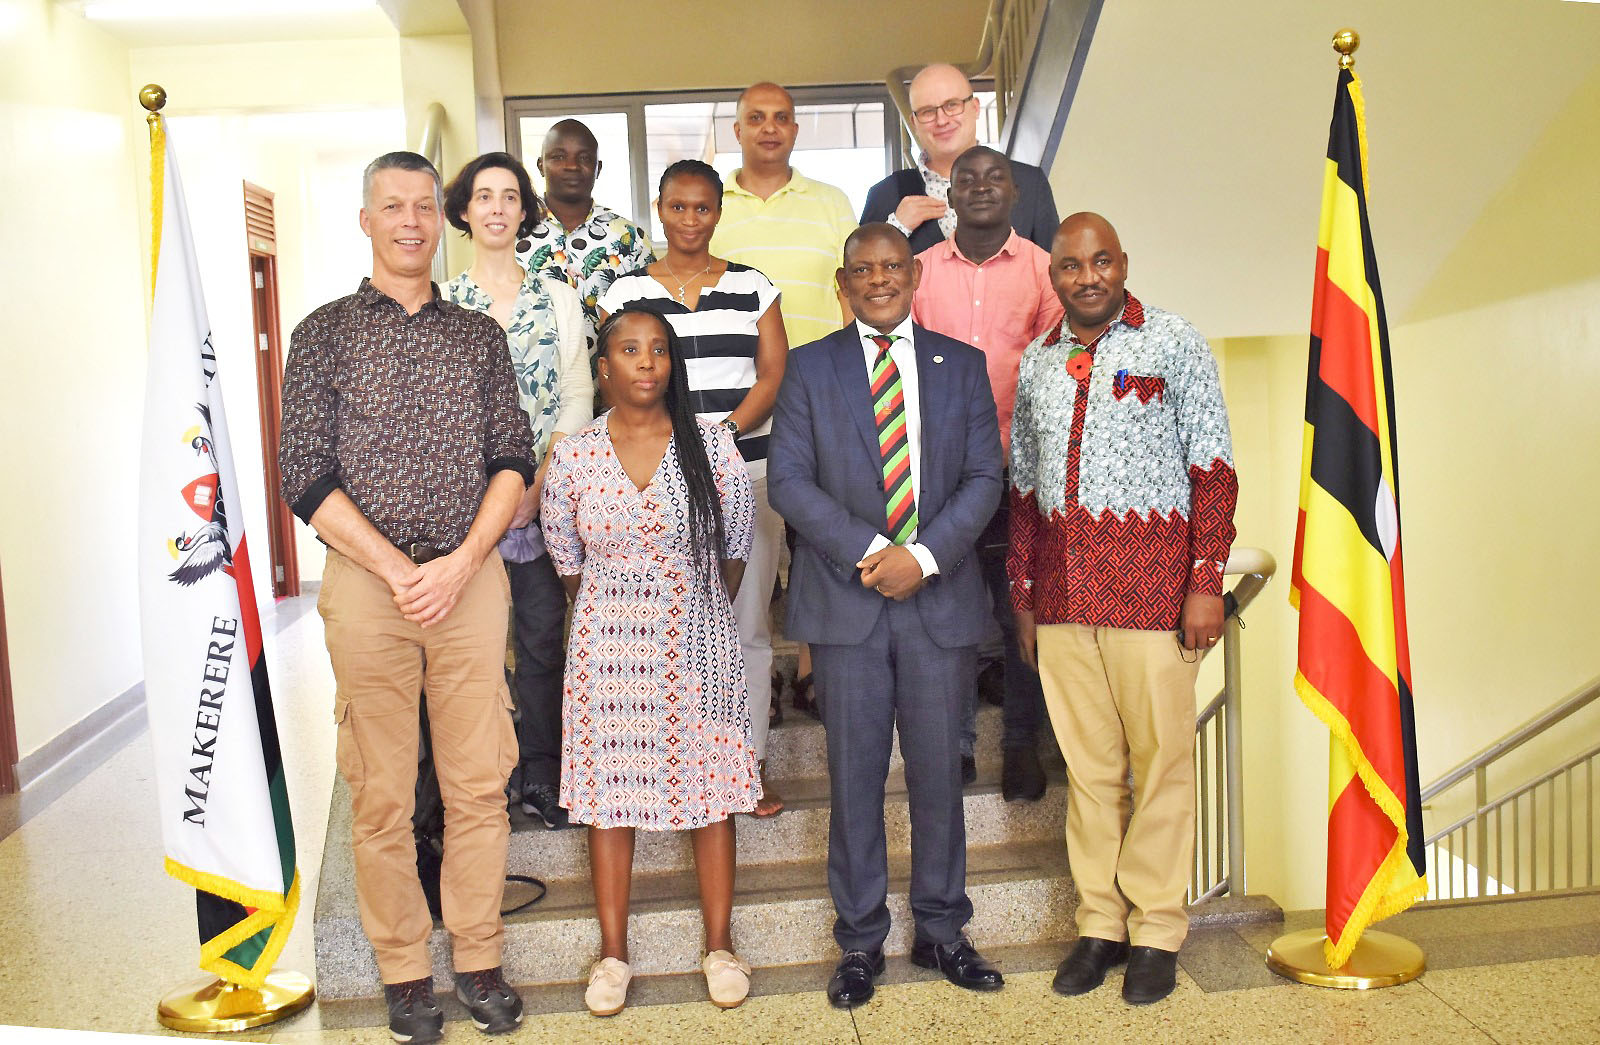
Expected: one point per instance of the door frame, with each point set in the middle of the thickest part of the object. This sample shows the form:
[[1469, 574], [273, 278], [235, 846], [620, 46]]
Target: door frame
[[261, 240], [8, 716]]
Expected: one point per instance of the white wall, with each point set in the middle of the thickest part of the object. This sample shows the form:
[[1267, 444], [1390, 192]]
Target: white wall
[[72, 351]]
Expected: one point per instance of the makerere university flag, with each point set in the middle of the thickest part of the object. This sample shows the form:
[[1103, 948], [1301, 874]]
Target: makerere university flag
[[224, 809], [1354, 669]]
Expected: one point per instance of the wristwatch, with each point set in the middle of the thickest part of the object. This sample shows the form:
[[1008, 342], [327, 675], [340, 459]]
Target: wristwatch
[[731, 425]]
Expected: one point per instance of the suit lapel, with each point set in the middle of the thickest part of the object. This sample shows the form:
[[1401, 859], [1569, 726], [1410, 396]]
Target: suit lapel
[[850, 369]]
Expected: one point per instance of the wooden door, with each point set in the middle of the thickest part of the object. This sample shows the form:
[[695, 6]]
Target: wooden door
[[261, 237]]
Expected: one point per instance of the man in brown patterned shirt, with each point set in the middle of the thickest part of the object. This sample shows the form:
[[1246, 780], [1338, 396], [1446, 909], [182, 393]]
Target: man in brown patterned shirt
[[405, 448]]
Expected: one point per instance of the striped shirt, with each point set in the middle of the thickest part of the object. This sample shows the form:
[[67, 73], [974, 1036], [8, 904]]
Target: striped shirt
[[796, 237], [718, 339]]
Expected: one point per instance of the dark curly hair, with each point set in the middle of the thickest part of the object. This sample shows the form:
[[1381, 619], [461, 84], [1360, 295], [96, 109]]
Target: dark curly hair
[[691, 169], [459, 192], [707, 534]]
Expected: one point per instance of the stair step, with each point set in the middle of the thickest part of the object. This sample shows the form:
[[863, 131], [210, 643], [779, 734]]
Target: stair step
[[800, 832], [782, 915]]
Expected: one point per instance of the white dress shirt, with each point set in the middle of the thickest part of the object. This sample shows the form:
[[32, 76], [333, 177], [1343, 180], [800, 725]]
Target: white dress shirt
[[903, 351]]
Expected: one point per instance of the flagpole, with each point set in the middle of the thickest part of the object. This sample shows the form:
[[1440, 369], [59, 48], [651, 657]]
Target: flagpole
[[212, 1005], [1379, 959]]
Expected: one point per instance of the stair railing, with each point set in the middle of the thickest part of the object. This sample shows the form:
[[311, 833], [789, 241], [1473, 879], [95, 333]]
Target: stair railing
[[1545, 825], [431, 146], [1219, 751]]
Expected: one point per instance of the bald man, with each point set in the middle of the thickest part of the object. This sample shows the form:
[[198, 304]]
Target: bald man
[[944, 121], [1122, 497], [776, 220], [580, 242]]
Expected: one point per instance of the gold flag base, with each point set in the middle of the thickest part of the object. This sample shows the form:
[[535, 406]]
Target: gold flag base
[[213, 1006], [1380, 960]]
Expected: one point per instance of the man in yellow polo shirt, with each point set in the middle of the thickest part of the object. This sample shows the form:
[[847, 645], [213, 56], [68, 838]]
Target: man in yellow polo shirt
[[790, 228], [775, 219]]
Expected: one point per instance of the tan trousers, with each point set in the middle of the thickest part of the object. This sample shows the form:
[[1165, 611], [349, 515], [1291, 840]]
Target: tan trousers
[[1120, 700], [382, 664]]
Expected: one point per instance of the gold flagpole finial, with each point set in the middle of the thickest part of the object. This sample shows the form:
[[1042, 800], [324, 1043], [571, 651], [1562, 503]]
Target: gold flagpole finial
[[1345, 41], [153, 96]]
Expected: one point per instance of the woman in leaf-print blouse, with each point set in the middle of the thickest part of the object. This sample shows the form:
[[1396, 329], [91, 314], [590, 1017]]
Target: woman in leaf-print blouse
[[493, 202]]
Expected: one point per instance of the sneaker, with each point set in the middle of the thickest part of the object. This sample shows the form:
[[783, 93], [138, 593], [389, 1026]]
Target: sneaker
[[544, 802], [495, 1008], [608, 986], [414, 1014], [727, 979]]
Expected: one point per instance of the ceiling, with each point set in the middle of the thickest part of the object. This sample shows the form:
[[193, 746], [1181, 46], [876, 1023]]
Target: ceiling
[[1199, 130], [162, 23]]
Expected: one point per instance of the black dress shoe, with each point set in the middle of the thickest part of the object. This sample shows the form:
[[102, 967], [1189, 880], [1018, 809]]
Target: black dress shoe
[[960, 962], [851, 982], [969, 770], [1021, 776], [1085, 968], [1152, 974]]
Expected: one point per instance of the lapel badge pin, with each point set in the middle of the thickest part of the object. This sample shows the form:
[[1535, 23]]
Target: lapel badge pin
[[938, 359]]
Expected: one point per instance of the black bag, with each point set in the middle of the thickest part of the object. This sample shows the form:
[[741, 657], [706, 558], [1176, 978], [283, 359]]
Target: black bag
[[427, 827]]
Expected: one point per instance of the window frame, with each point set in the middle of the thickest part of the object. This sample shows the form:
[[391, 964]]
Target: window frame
[[634, 104]]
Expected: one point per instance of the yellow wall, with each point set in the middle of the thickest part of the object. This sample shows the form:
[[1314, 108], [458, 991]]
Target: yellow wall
[[701, 43], [277, 76], [1496, 380], [74, 351], [439, 69]]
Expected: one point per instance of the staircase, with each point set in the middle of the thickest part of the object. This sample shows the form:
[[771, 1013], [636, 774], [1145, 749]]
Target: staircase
[[1016, 876]]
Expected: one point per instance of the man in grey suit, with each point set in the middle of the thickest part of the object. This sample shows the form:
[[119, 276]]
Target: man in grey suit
[[885, 458]]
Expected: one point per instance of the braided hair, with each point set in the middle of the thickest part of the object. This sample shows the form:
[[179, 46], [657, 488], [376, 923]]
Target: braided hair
[[692, 169], [707, 536]]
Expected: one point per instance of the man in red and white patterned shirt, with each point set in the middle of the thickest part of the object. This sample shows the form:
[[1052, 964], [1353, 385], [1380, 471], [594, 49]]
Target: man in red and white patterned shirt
[[1123, 491]]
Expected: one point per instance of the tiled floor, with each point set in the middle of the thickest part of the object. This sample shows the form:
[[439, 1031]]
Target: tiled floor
[[91, 932]]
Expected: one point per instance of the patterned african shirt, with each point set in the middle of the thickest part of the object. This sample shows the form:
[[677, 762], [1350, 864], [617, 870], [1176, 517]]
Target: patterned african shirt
[[408, 414], [588, 257], [1122, 481]]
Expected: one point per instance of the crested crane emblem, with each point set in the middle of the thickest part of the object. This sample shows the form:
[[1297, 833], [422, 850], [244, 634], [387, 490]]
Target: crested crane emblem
[[205, 549]]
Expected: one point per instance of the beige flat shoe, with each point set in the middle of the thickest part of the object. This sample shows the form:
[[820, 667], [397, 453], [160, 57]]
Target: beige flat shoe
[[608, 987], [727, 979]]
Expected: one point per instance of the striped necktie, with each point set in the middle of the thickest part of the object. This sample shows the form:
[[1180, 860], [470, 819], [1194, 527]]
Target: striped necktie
[[889, 409]]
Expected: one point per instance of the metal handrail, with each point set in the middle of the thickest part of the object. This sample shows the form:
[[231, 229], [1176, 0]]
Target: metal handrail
[[430, 144], [1580, 699], [1473, 838], [1218, 725]]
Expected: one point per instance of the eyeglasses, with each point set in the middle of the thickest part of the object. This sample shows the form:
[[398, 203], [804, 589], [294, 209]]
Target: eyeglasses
[[953, 107]]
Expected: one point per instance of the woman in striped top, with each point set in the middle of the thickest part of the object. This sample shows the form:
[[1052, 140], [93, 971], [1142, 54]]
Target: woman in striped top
[[731, 328]]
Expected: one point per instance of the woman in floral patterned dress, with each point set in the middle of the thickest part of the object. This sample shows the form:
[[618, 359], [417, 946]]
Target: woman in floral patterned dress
[[648, 516], [493, 202]]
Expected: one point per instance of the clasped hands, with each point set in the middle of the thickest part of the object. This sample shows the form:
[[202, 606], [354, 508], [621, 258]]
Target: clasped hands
[[426, 594], [893, 572]]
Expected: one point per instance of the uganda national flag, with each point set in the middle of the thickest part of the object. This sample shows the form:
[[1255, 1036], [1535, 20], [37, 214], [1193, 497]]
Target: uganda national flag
[[219, 773], [1354, 670]]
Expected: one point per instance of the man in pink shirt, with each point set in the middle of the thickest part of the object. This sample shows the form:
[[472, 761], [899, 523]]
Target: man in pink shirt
[[991, 288]]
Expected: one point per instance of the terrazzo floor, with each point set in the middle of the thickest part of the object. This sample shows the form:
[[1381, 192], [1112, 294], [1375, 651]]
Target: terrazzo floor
[[92, 931]]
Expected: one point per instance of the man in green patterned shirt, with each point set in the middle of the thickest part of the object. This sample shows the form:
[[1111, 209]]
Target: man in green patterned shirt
[[579, 241]]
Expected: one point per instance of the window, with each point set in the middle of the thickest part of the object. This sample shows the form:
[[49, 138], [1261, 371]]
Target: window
[[848, 137]]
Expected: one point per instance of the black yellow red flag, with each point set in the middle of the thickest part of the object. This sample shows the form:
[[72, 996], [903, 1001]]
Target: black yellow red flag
[[1354, 669]]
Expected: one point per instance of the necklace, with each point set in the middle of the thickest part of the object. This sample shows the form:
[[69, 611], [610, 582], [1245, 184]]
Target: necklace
[[683, 284]]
